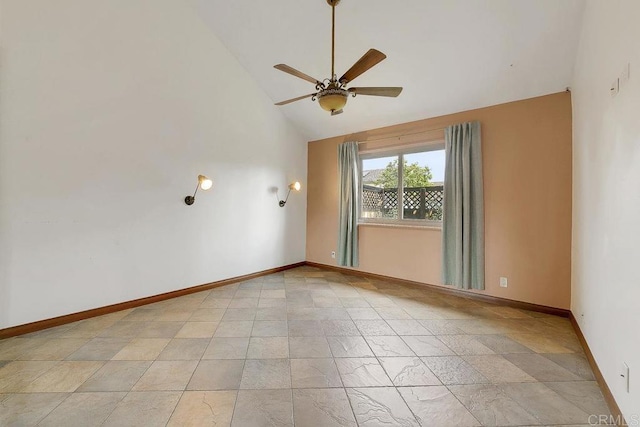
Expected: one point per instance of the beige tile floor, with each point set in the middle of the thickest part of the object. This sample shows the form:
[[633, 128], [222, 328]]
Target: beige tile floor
[[306, 347]]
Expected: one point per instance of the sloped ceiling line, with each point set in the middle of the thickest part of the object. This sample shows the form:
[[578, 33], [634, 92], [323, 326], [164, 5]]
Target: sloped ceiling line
[[449, 55]]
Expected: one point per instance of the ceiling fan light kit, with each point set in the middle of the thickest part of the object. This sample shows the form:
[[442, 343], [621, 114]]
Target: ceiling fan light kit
[[333, 98], [332, 94]]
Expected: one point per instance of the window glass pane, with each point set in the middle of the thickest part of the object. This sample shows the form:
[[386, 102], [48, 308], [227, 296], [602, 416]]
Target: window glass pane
[[380, 187], [423, 176]]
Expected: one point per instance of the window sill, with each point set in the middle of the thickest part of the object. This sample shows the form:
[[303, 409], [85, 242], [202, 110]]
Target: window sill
[[392, 225]]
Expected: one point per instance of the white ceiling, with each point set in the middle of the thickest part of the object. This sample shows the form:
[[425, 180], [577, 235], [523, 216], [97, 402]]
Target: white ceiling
[[449, 55]]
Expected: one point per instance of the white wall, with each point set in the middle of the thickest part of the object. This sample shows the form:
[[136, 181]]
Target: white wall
[[606, 195], [109, 111]]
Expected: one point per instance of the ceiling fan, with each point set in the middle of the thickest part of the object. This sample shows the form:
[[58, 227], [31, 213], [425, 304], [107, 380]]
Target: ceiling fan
[[332, 93]]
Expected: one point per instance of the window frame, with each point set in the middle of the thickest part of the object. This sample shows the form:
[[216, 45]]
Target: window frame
[[400, 152]]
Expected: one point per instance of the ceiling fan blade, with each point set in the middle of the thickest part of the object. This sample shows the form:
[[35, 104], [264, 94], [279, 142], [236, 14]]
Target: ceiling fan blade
[[376, 91], [336, 112], [368, 60], [289, 101], [294, 72]]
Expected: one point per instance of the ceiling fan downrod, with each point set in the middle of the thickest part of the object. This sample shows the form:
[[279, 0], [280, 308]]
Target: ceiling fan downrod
[[333, 4]]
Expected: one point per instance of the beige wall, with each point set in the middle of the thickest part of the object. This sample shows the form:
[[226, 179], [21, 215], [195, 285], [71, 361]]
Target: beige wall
[[527, 186]]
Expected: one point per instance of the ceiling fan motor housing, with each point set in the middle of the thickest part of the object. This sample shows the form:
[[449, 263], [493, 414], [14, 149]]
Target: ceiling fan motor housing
[[332, 98]]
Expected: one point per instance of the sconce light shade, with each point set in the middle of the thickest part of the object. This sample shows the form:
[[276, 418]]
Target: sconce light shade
[[204, 183], [293, 186]]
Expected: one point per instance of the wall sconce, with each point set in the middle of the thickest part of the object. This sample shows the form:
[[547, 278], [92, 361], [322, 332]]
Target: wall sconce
[[204, 183], [293, 186]]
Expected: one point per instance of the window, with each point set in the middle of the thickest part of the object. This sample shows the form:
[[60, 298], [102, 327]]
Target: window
[[419, 172]]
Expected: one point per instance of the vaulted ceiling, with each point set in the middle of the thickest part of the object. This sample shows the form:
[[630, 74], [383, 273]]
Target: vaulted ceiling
[[449, 55]]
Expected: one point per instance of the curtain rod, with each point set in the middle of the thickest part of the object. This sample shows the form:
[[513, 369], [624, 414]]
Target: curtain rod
[[399, 136]]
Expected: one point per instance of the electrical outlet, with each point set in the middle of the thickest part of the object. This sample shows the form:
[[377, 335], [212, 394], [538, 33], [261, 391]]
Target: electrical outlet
[[503, 282], [625, 374], [333, 254]]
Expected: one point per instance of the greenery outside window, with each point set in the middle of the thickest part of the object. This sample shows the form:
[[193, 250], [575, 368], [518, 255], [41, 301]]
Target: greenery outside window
[[403, 186]]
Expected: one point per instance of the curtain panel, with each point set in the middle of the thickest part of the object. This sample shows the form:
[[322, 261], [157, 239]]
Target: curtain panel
[[463, 220], [349, 182]]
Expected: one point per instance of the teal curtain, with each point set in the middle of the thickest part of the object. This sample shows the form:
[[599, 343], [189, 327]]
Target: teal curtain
[[349, 181], [463, 221]]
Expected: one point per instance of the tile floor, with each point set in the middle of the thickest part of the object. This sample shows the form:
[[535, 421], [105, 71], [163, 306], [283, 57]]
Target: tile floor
[[306, 347]]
